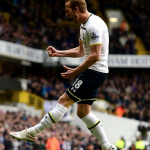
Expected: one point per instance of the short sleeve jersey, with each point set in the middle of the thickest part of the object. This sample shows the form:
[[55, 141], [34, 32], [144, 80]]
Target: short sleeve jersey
[[93, 32]]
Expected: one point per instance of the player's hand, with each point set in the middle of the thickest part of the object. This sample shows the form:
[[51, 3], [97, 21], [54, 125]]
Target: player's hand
[[70, 73], [52, 52]]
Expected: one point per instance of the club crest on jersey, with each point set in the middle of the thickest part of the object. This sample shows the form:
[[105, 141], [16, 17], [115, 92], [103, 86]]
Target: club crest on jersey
[[94, 36]]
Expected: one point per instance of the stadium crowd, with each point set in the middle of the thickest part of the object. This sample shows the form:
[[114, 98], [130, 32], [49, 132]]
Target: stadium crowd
[[122, 42], [136, 12], [61, 136], [40, 25], [129, 94]]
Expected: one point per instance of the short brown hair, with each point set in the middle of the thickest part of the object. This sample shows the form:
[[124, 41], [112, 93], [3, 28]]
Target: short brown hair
[[81, 4]]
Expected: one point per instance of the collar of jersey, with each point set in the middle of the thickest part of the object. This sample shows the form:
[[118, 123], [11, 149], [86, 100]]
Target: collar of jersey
[[87, 19]]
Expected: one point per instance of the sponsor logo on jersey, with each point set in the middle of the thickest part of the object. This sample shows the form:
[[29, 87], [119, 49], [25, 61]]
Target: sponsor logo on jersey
[[94, 36]]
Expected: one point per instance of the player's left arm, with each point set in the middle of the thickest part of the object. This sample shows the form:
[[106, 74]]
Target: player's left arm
[[90, 60]]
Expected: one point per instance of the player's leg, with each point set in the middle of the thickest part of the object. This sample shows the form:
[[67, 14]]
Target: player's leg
[[53, 116], [94, 125], [85, 92]]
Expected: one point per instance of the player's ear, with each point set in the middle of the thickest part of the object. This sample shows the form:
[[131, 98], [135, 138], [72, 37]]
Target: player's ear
[[76, 9]]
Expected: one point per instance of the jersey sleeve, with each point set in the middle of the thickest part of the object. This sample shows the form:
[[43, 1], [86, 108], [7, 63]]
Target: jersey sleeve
[[95, 34]]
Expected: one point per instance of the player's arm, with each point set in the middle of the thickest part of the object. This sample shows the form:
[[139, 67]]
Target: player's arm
[[75, 52], [91, 59]]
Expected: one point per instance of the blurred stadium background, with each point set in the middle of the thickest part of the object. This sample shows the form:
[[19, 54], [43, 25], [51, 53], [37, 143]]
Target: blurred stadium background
[[30, 81]]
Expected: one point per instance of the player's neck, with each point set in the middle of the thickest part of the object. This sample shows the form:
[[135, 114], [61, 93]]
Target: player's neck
[[84, 17]]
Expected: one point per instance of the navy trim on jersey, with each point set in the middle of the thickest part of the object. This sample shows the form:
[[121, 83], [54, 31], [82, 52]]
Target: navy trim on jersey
[[88, 18], [83, 28]]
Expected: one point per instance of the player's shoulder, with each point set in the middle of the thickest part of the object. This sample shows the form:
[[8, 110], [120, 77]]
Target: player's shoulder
[[95, 18], [95, 21]]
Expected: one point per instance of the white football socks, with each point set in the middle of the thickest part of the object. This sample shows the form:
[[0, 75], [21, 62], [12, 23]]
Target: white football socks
[[49, 119], [95, 126]]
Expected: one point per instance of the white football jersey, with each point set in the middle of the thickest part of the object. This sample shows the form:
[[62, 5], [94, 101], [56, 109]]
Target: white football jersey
[[94, 31]]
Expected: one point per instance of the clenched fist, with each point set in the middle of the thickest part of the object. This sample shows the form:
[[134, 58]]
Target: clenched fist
[[52, 52]]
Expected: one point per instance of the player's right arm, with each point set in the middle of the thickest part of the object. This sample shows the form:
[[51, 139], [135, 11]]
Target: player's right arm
[[74, 52]]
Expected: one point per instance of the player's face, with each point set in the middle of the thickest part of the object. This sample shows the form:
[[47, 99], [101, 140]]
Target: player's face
[[71, 13]]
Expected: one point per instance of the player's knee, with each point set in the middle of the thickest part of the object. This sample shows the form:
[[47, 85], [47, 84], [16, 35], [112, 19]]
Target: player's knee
[[62, 100], [83, 110], [81, 113], [65, 100]]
